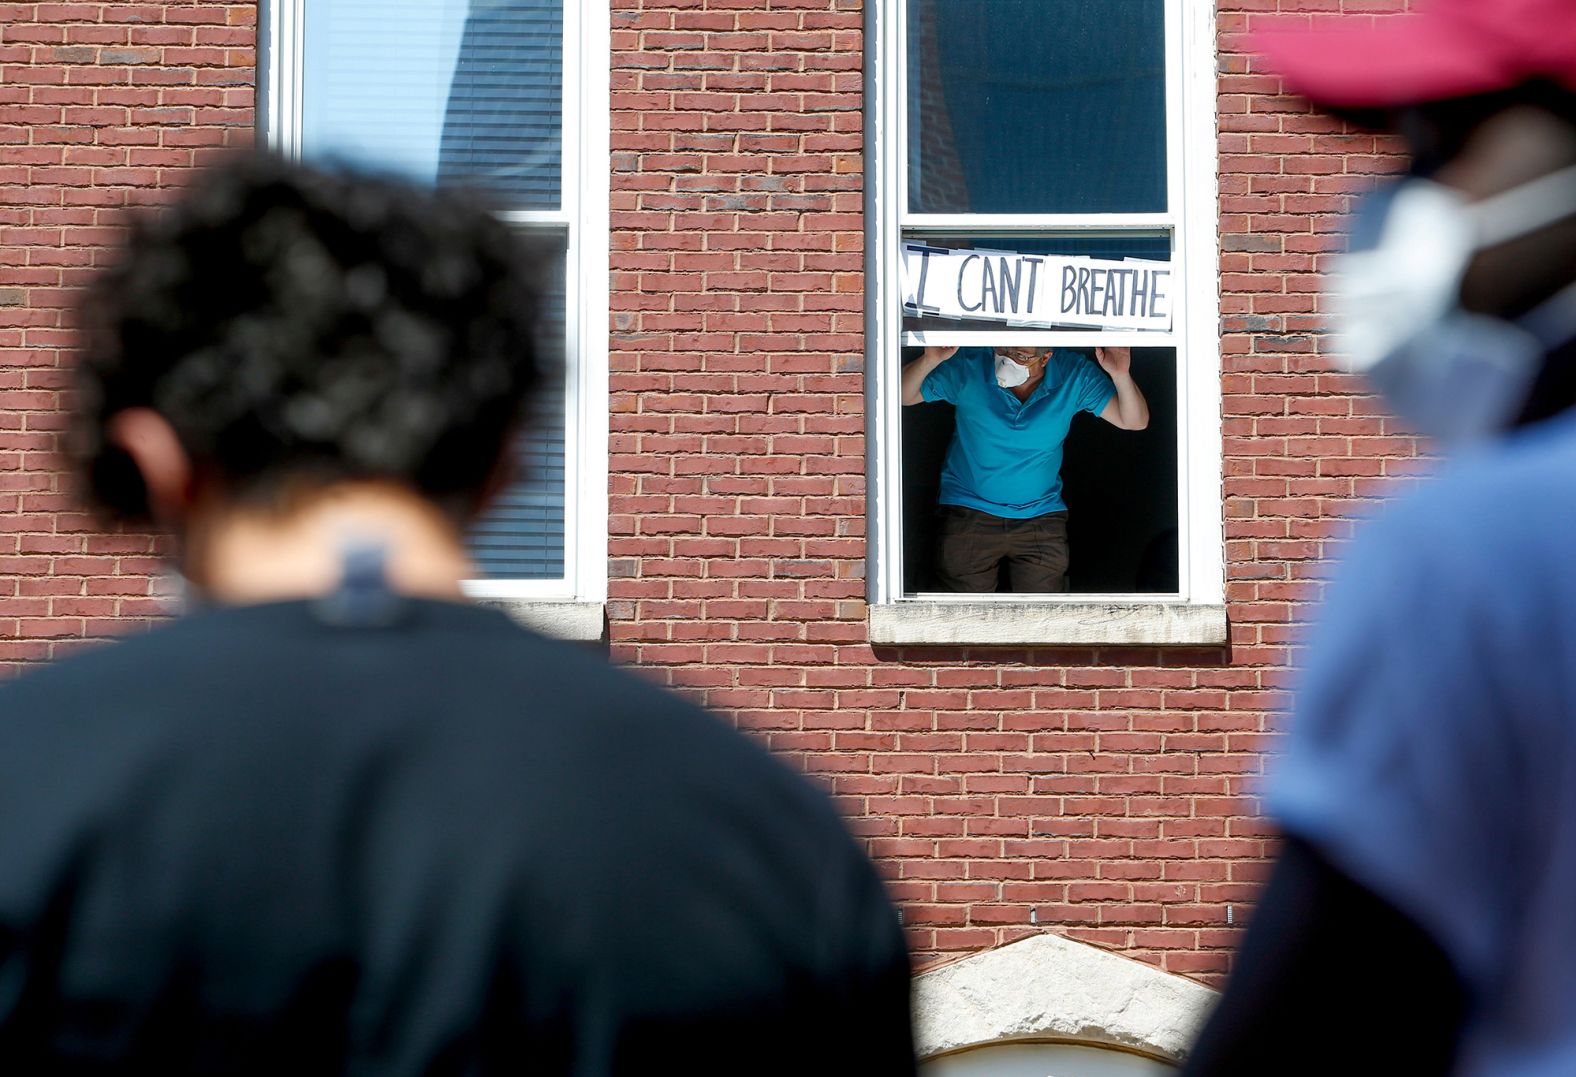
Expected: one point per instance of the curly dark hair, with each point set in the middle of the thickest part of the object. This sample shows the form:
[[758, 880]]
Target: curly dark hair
[[298, 324]]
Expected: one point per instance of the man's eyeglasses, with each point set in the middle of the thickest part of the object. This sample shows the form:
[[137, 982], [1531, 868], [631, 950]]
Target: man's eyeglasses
[[1024, 355]]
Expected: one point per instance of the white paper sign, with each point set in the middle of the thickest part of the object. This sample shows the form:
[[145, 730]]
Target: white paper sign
[[1036, 289]]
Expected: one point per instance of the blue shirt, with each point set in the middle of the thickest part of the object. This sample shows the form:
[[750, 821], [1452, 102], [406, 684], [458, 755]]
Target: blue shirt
[[1432, 748], [1006, 455]]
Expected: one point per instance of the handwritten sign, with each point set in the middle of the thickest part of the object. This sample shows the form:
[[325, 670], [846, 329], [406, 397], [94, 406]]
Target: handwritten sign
[[1036, 289]]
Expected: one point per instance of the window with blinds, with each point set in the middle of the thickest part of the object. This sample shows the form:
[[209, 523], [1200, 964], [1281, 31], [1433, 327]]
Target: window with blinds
[[522, 535], [471, 94]]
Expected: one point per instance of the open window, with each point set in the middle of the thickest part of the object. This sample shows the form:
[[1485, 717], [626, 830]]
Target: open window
[[509, 98], [1042, 178]]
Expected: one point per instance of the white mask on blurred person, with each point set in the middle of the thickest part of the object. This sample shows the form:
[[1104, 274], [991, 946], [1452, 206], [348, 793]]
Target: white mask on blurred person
[[1010, 372], [1394, 303]]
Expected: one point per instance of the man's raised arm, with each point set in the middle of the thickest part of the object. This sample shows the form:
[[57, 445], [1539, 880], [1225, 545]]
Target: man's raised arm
[[915, 373], [1127, 409]]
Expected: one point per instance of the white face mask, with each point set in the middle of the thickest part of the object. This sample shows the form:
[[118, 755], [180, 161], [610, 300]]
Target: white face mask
[[1010, 372], [1394, 303]]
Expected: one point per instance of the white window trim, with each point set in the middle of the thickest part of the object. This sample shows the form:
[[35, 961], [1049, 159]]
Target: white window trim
[[1197, 614], [582, 591]]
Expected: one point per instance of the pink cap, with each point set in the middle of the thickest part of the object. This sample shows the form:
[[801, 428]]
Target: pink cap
[[1443, 49]]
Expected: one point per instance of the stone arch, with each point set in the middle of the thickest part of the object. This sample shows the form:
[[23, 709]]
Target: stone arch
[[1049, 989]]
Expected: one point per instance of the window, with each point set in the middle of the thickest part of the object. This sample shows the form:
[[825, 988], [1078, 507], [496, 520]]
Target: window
[[509, 97], [1042, 180]]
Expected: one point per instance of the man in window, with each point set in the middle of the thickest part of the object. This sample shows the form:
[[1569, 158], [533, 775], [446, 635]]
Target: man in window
[[1001, 487]]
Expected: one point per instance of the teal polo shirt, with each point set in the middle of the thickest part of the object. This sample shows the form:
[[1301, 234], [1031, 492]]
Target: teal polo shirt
[[1006, 454]]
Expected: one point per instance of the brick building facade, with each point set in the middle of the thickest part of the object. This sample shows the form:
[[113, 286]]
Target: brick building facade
[[1099, 792]]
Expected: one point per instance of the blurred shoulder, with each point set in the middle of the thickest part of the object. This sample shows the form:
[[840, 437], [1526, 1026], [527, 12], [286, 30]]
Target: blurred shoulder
[[1484, 535], [88, 678], [1516, 492]]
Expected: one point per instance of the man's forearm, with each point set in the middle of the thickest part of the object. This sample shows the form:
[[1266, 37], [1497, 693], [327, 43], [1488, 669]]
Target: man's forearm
[[1131, 408], [915, 373]]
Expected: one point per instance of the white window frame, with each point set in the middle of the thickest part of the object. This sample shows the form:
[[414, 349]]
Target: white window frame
[[572, 605], [1196, 614]]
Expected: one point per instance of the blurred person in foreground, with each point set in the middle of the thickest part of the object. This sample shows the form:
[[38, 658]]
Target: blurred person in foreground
[[1428, 875], [337, 820]]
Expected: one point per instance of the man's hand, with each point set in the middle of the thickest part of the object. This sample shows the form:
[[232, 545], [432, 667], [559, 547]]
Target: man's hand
[[1114, 361], [914, 373]]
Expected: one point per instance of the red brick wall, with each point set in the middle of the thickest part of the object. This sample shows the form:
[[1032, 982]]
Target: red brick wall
[[101, 105], [1104, 791]]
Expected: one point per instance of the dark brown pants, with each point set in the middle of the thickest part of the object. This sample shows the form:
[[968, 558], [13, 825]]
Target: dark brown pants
[[972, 545]]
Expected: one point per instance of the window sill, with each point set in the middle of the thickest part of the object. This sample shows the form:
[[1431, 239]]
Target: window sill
[[1047, 623], [564, 619]]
